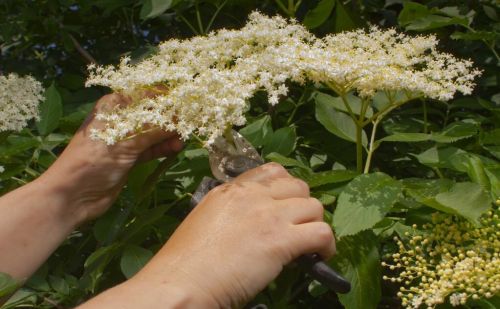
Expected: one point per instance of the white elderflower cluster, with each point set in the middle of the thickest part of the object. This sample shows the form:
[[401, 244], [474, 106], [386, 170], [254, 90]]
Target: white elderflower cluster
[[449, 258], [367, 62], [19, 99], [202, 85]]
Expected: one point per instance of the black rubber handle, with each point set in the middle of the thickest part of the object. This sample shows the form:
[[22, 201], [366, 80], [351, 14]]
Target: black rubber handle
[[323, 273]]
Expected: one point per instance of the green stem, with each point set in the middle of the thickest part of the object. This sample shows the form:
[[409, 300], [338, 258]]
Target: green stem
[[291, 8], [151, 181], [282, 6], [219, 8], [386, 110], [188, 24], [297, 105], [359, 148], [198, 19], [426, 123], [491, 45], [372, 148]]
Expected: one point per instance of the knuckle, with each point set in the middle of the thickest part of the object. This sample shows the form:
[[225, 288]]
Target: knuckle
[[274, 169], [324, 233], [303, 187], [316, 207]]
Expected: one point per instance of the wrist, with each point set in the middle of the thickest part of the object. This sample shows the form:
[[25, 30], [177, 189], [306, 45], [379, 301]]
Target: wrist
[[62, 207], [87, 177], [140, 293]]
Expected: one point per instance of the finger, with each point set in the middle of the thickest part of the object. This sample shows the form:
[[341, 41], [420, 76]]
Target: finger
[[314, 237], [104, 105], [147, 139], [165, 148], [263, 173], [302, 210], [285, 188]]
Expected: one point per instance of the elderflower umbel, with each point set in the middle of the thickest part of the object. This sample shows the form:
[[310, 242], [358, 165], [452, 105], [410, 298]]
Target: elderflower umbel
[[202, 85], [449, 258], [19, 99]]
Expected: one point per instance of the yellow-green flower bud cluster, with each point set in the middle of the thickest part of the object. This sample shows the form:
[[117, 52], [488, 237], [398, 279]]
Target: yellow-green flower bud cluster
[[448, 260]]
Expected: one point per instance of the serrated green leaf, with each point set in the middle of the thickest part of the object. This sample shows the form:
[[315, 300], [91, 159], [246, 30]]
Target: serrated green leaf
[[282, 141], [317, 16], [337, 122], [473, 36], [358, 260], [364, 202], [452, 133], [258, 131], [466, 199], [493, 174], [133, 259], [51, 111], [153, 8], [327, 177], [406, 137]]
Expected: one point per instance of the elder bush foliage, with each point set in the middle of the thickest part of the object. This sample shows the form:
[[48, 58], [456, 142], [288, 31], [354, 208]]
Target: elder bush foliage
[[410, 185]]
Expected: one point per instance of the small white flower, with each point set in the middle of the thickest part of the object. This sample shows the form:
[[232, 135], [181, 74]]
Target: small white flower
[[203, 84], [19, 99]]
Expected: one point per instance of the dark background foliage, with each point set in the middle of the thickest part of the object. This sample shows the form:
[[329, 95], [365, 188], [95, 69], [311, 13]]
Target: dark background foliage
[[54, 40]]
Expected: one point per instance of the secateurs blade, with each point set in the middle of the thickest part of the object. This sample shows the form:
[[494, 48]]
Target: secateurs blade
[[233, 155]]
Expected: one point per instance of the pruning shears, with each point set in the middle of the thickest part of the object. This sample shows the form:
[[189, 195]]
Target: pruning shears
[[233, 155]]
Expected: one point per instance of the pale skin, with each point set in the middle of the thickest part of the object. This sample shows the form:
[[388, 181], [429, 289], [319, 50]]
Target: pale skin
[[226, 250]]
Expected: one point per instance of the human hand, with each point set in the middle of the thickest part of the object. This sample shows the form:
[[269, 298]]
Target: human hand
[[238, 239], [90, 174]]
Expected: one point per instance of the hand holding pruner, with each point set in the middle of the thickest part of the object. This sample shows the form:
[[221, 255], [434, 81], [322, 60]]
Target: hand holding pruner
[[234, 155]]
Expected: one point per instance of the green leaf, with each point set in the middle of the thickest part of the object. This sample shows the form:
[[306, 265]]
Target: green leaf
[[406, 137], [59, 285], [258, 131], [412, 11], [358, 261], [354, 102], [438, 157], [466, 199], [474, 36], [282, 141], [493, 174], [154, 8], [138, 176], [343, 20], [364, 202], [490, 12], [18, 144], [452, 133], [7, 285], [289, 162], [133, 259], [337, 122], [51, 111], [415, 16], [327, 177], [317, 16]]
